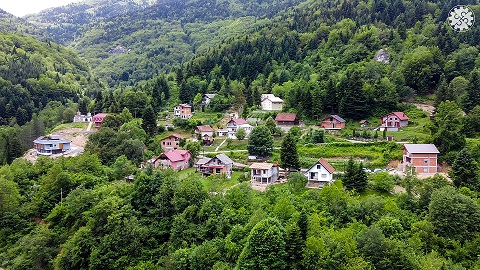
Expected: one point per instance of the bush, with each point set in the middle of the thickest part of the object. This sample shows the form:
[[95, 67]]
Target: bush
[[382, 181]]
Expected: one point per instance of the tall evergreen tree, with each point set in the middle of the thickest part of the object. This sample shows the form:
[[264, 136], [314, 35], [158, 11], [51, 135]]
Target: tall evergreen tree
[[472, 95], [294, 246], [353, 103], [289, 154], [349, 175], [443, 92], [360, 178], [464, 171], [149, 120]]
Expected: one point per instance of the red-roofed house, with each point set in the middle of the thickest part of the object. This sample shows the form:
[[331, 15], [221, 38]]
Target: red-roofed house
[[333, 122], [183, 111], [393, 121], [171, 142], [175, 159], [234, 124], [97, 120], [320, 174], [422, 157], [287, 119]]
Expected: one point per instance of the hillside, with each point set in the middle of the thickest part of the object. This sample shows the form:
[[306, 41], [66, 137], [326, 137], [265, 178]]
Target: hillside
[[10, 23]]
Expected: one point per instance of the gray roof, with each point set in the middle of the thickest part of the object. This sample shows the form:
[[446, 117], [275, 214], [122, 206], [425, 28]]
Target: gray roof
[[210, 95], [224, 159], [421, 148], [339, 119], [202, 161]]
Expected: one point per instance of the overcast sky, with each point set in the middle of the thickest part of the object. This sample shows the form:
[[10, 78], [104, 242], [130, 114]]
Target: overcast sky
[[23, 7]]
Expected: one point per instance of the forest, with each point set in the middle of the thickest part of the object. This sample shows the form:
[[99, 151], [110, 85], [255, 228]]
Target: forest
[[319, 57]]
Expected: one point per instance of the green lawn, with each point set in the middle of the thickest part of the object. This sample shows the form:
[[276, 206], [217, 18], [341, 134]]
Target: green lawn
[[216, 183], [82, 125], [208, 118]]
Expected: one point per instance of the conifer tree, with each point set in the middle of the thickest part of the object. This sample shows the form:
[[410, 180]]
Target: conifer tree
[[472, 95], [349, 175], [464, 171], [289, 154], [149, 120], [360, 182]]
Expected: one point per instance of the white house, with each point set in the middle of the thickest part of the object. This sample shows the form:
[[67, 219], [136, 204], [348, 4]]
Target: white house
[[263, 173], [82, 118], [271, 103], [320, 174], [207, 98], [234, 124]]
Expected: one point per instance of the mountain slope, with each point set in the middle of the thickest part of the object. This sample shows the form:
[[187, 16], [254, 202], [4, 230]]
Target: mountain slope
[[10, 23]]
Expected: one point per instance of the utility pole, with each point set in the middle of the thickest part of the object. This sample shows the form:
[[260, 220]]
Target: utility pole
[[61, 196]]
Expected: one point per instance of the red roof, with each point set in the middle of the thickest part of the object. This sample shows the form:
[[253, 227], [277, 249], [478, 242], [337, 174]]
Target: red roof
[[401, 115], [175, 155], [205, 128], [174, 135], [239, 121], [326, 165], [289, 117], [99, 117]]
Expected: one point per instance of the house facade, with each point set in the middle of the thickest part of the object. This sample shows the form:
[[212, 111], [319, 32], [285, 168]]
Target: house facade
[[334, 122], [220, 164], [320, 174], [171, 142], [420, 157], [183, 111], [207, 98], [263, 173], [78, 118], [49, 145], [97, 120], [234, 124], [270, 102], [175, 159], [394, 121], [287, 119]]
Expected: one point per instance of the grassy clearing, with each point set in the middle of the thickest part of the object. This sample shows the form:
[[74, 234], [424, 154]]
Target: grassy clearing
[[208, 118], [217, 183], [82, 125]]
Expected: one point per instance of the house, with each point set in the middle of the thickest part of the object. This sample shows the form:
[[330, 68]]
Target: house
[[171, 142], [333, 122], [364, 123], [78, 118], [175, 159], [271, 103], [234, 124], [206, 134], [183, 111], [97, 120], [393, 121], [49, 145], [421, 157], [320, 174], [287, 119], [220, 164], [263, 173], [222, 132], [207, 98]]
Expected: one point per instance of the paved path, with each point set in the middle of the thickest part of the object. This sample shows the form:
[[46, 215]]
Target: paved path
[[218, 147], [89, 126]]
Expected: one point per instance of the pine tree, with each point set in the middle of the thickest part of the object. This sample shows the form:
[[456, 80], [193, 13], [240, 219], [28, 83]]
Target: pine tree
[[294, 246], [464, 171], [353, 103], [472, 95], [349, 175], [360, 179], [149, 120], [289, 154], [443, 92]]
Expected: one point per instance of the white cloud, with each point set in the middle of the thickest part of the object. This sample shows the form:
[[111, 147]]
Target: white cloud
[[23, 7]]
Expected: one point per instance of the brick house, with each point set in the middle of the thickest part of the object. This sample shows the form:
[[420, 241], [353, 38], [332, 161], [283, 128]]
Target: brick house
[[320, 174], [333, 122], [287, 119], [183, 111], [421, 157], [171, 142]]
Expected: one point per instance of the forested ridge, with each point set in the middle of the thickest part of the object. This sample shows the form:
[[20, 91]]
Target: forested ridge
[[319, 56]]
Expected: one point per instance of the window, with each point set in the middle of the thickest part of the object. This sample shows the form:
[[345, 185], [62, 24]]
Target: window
[[425, 161], [217, 170], [264, 171], [425, 170], [324, 175], [319, 167]]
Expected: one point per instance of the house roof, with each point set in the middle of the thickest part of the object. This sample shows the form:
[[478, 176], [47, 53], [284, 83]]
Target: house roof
[[363, 121], [272, 98], [336, 117], [224, 159], [239, 121], [202, 161], [326, 165], [175, 155], [205, 128], [401, 115], [100, 115], [421, 148], [286, 117], [174, 135], [262, 166], [50, 139], [210, 95], [184, 105]]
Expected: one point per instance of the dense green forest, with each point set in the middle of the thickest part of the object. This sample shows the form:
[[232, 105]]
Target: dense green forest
[[319, 56]]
